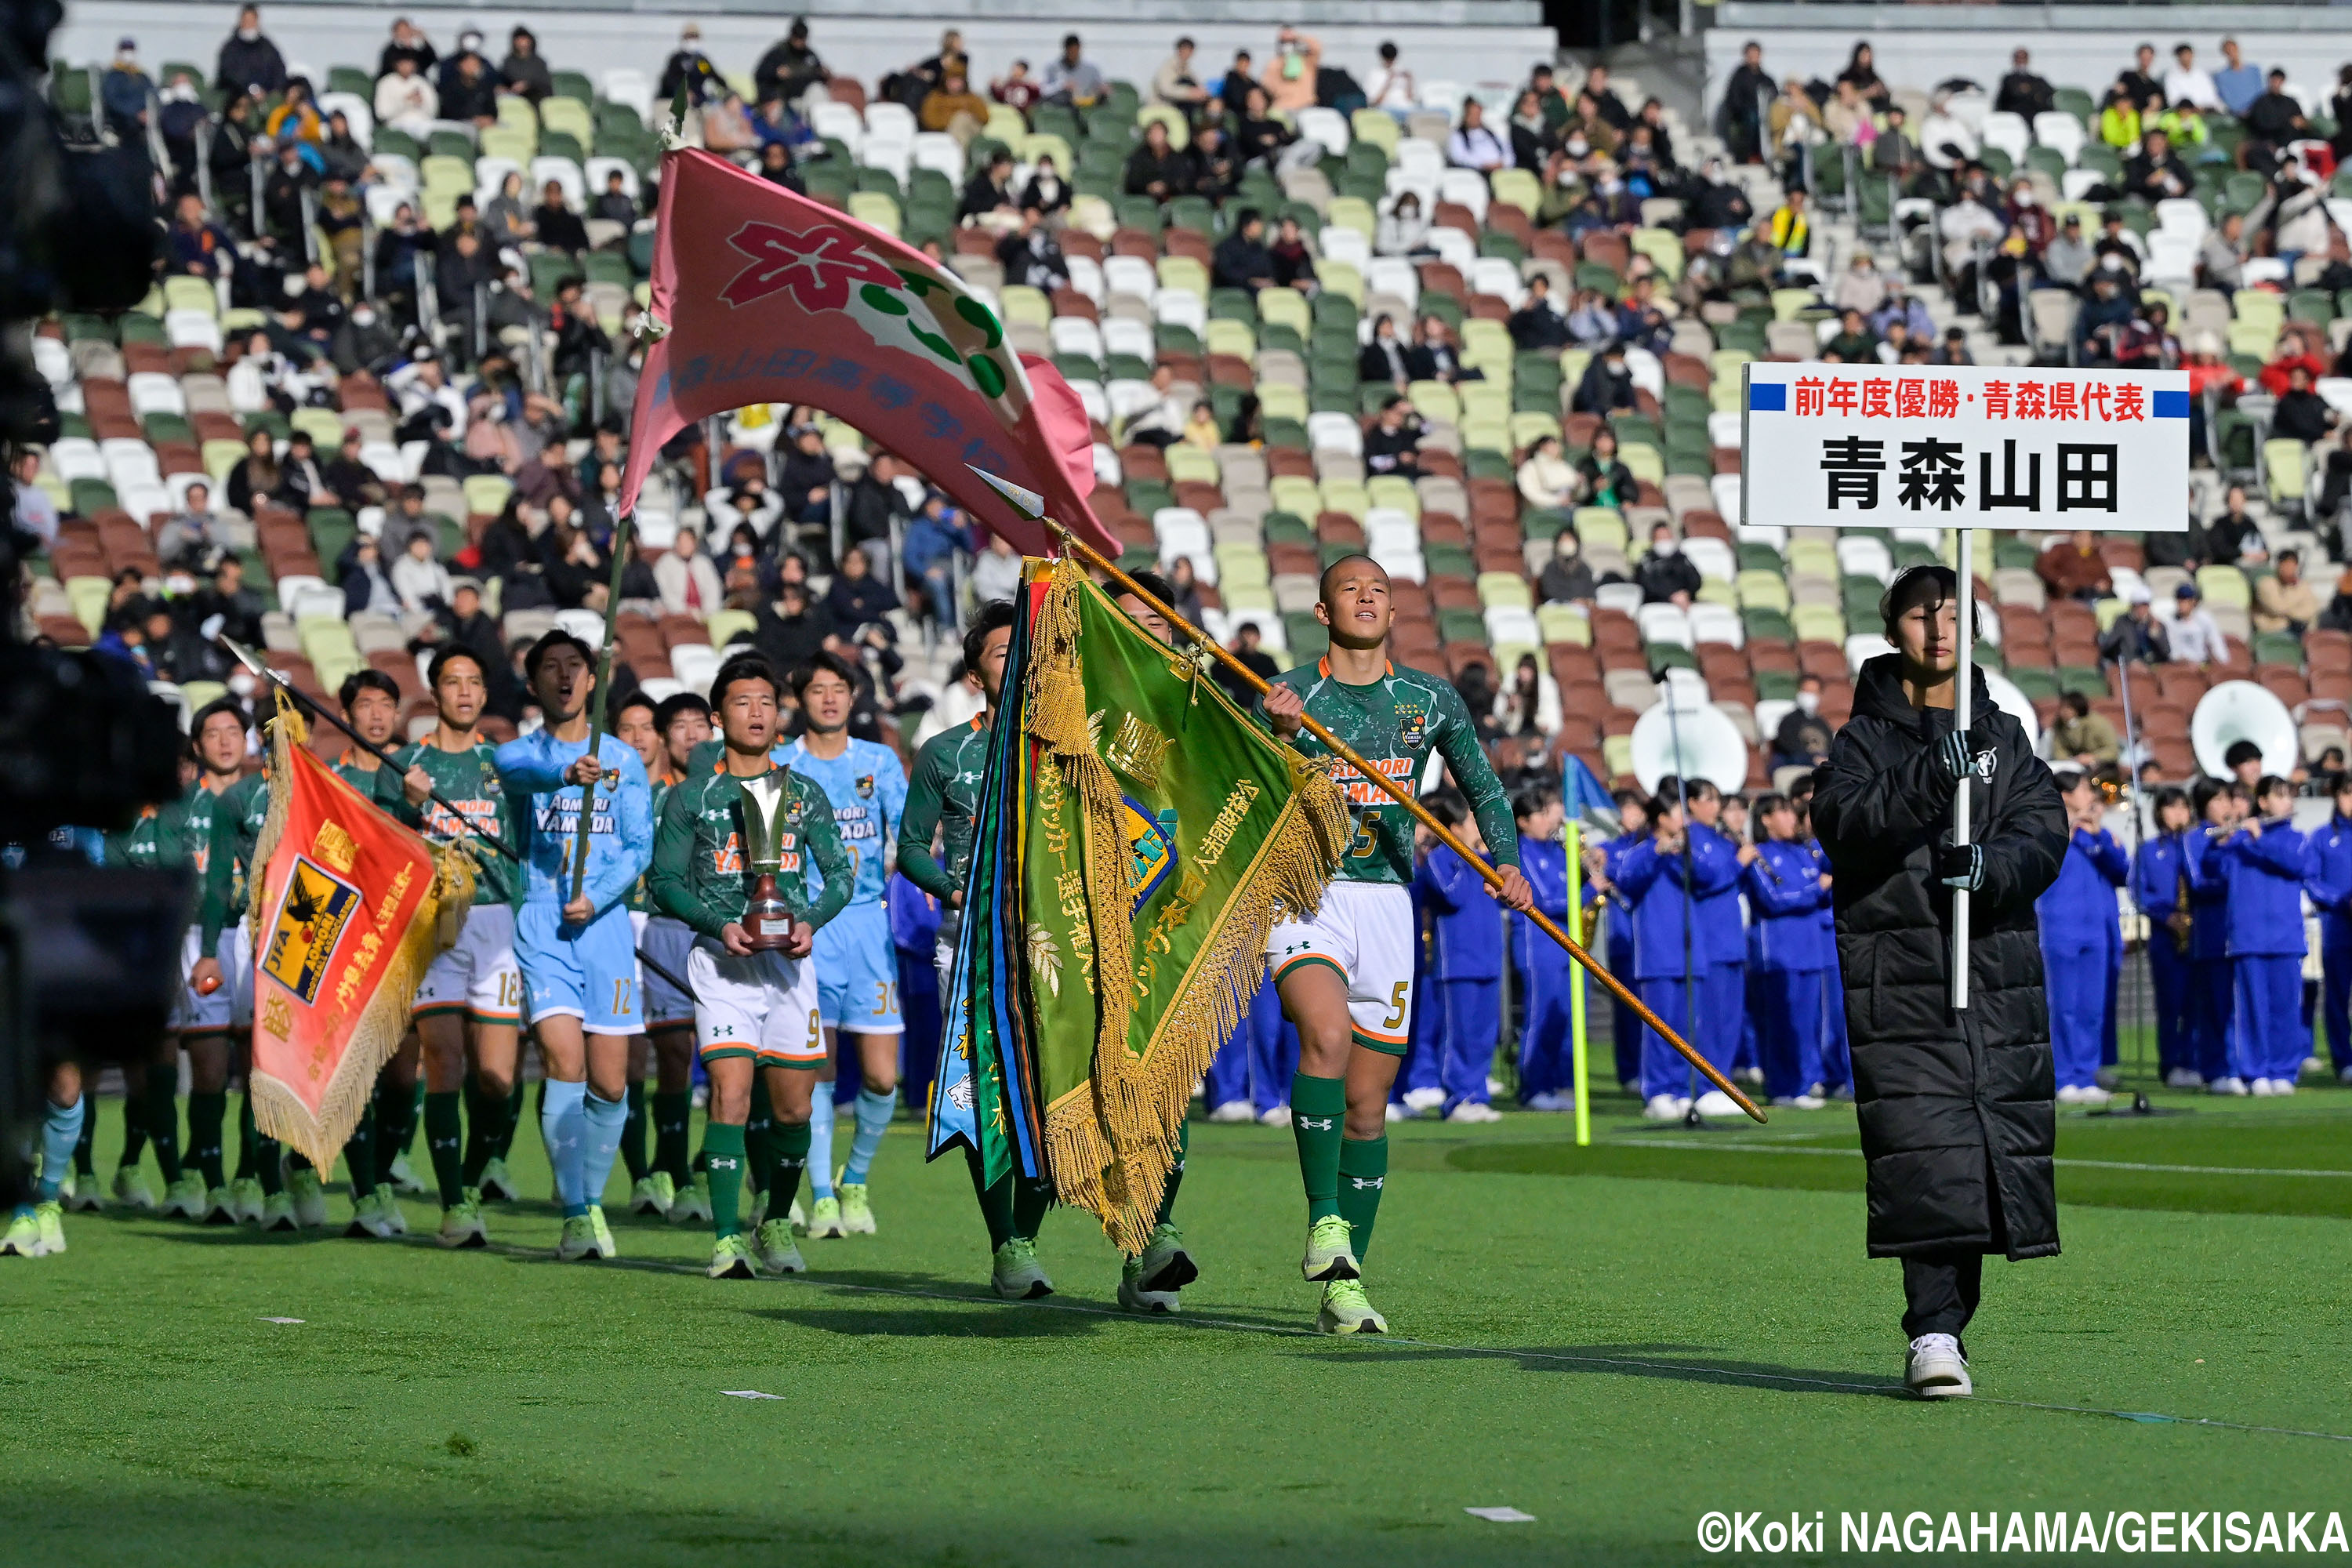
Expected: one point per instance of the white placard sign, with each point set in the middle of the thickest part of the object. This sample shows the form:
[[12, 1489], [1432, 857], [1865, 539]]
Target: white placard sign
[[1866, 446]]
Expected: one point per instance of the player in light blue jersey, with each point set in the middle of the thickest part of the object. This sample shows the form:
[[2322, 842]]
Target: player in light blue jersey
[[856, 966], [578, 959]]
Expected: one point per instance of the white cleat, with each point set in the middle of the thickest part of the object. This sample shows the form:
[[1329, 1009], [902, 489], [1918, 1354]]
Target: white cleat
[[1275, 1116], [1936, 1369], [1474, 1111], [1665, 1107], [1424, 1099], [1233, 1113], [1714, 1102]]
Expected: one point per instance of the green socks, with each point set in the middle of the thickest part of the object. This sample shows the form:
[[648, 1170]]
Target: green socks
[[359, 1155], [761, 1157], [395, 1126], [722, 1158], [82, 1166], [633, 1133], [996, 1203], [1364, 1171], [162, 1118], [1029, 1202], [487, 1130], [445, 1137], [1319, 1110], [207, 1115], [1176, 1176], [503, 1144], [788, 1153], [673, 1114]]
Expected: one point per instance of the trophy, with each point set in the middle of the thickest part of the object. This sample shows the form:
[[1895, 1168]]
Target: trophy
[[766, 922]]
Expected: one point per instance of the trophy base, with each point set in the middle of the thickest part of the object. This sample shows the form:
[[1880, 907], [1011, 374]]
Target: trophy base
[[770, 934]]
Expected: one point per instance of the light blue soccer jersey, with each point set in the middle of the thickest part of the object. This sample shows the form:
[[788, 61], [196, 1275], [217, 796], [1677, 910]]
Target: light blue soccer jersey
[[867, 786], [620, 835]]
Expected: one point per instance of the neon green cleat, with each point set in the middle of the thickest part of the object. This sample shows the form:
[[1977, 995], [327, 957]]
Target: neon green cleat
[[51, 1217], [778, 1251], [461, 1224], [579, 1240], [131, 1187], [1347, 1310], [1148, 1282], [245, 1199], [755, 1213], [856, 1213], [693, 1201], [185, 1199], [403, 1181], [310, 1198], [1330, 1251], [654, 1195], [605, 1247], [824, 1220], [1017, 1275], [732, 1259], [220, 1207], [278, 1212], [24, 1236], [498, 1183], [368, 1219], [85, 1195]]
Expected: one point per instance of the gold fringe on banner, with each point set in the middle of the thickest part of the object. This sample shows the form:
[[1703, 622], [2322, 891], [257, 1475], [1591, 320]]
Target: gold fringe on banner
[[1111, 1149]]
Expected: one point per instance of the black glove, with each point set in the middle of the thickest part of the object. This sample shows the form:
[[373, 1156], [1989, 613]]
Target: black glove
[[1957, 757], [1960, 866]]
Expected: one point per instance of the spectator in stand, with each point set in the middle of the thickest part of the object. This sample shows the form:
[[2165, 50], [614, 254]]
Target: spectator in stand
[[2137, 637], [409, 41], [2278, 376], [1861, 75], [1246, 647], [405, 101], [931, 543], [2302, 413], [524, 70], [1802, 737], [2194, 636], [2283, 601], [1047, 190], [1862, 287], [2023, 93], [2106, 314], [2237, 538], [559, 227], [1015, 88], [1392, 88], [366, 587], [952, 107], [1202, 429], [857, 597], [1290, 76], [506, 221], [37, 510], [1472, 145], [2120, 116], [2338, 616], [989, 193], [2066, 261], [2074, 569], [2185, 81], [1792, 231], [1294, 260], [727, 125], [1176, 83], [1608, 384], [1946, 142], [1566, 577], [1607, 481], [790, 68], [1241, 259], [1854, 343], [1902, 308], [2082, 737], [2295, 213], [1072, 78], [1537, 324], [1393, 446], [2238, 84], [1744, 98], [1155, 168], [1545, 478], [195, 244], [421, 581], [2156, 173], [1383, 357], [616, 206], [1665, 574], [1435, 358], [2275, 118], [1216, 166], [1403, 230], [469, 91], [249, 63], [689, 67]]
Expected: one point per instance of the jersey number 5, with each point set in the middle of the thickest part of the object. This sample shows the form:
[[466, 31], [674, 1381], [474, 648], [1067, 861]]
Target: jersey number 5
[[1367, 835]]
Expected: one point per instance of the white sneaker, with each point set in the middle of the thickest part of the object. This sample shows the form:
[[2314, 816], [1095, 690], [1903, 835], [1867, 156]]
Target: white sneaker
[[1801, 1102], [2312, 1067], [1275, 1116], [1235, 1111], [2086, 1094], [1937, 1370], [1548, 1100], [1474, 1110], [2282, 1085], [2227, 1086], [1750, 1076], [2183, 1077], [1495, 1086], [1398, 1113], [1714, 1102], [2261, 1088], [1664, 1108], [2344, 1077], [1424, 1099]]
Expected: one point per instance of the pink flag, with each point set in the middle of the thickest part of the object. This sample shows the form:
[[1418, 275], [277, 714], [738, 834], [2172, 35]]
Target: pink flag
[[772, 298]]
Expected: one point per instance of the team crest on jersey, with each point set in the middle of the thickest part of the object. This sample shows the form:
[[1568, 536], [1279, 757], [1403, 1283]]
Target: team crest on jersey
[[307, 925], [1151, 849], [866, 787], [1410, 727]]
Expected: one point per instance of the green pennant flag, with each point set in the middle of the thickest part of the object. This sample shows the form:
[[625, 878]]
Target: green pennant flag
[[1162, 833]]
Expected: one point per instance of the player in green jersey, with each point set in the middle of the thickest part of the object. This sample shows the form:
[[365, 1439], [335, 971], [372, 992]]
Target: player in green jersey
[[469, 1006], [1345, 975], [175, 835], [943, 804], [683, 720], [220, 971], [755, 1012]]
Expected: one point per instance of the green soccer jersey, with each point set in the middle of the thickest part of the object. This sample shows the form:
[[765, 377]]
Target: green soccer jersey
[[1394, 723], [237, 817], [641, 895], [943, 799], [381, 784], [468, 780], [176, 835], [700, 874]]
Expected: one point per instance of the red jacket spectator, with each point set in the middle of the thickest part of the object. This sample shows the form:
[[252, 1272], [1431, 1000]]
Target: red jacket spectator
[[2276, 374]]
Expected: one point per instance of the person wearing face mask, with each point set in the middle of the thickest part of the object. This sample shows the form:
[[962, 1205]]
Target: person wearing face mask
[[1289, 78], [1607, 481], [1803, 737], [249, 63], [1665, 574], [1566, 577]]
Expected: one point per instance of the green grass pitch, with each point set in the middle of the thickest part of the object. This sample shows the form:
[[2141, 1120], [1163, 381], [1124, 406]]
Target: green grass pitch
[[1613, 1340]]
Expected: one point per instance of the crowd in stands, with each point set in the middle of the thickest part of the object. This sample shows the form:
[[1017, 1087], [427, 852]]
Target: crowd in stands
[[379, 398]]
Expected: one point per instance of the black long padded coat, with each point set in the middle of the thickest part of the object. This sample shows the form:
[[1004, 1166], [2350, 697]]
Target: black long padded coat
[[1958, 1123]]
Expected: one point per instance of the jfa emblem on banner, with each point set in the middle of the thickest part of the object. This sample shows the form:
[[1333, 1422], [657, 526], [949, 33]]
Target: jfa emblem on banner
[[1151, 849], [308, 924]]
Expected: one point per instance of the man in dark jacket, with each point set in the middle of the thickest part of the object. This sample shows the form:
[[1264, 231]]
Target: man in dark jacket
[[1955, 1107], [2022, 93], [249, 61]]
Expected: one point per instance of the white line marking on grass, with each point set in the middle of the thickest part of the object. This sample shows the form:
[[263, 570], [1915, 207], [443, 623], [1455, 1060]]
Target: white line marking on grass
[[1748, 1148], [1500, 1515], [278, 1319], [748, 1394]]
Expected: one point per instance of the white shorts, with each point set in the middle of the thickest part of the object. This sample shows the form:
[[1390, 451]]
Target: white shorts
[[480, 977], [231, 1006], [1364, 930], [762, 1006], [667, 943]]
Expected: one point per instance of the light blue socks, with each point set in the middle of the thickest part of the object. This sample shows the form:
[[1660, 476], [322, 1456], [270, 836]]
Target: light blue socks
[[60, 1130], [562, 1123], [605, 1119], [873, 1111], [820, 1160]]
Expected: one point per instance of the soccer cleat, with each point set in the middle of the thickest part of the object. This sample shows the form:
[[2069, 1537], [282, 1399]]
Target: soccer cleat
[[309, 1195], [24, 1235], [403, 1181], [654, 1195], [1016, 1273], [824, 1220], [731, 1259], [185, 1199], [1937, 1368], [1472, 1111], [755, 1213], [578, 1241], [779, 1253], [1134, 1298], [798, 1215], [1330, 1251], [131, 1187], [367, 1217], [1714, 1102], [857, 1213], [1418, 1099], [220, 1207], [52, 1219], [498, 1185], [693, 1200], [1235, 1111], [605, 1247], [1347, 1310], [245, 1197], [1275, 1116], [1664, 1108], [461, 1224], [277, 1213], [1164, 1266], [84, 1195]]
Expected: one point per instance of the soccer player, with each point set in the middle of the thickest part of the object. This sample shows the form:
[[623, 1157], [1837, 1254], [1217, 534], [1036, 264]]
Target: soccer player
[[1345, 975], [755, 1012], [683, 723], [856, 966], [37, 1228], [469, 1006], [943, 804], [637, 720], [579, 964], [220, 978]]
